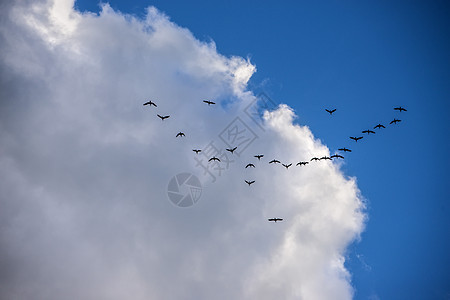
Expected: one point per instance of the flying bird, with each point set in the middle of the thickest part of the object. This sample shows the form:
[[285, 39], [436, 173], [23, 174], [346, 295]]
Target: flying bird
[[214, 158], [274, 161], [395, 121], [287, 166], [302, 163], [368, 131], [325, 157], [249, 182], [150, 103], [231, 150], [330, 111], [249, 165], [314, 158], [356, 138], [345, 149], [259, 156], [209, 102], [163, 117], [197, 150], [379, 126], [337, 156], [180, 134], [400, 109], [275, 220]]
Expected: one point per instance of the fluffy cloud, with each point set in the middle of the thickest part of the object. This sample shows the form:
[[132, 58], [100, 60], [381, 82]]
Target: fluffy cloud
[[85, 167]]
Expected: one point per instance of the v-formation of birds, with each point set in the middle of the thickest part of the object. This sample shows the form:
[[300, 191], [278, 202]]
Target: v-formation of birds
[[275, 161]]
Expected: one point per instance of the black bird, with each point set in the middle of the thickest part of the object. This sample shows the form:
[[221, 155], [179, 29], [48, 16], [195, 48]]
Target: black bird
[[287, 166], [331, 111], [379, 126], [180, 134], [400, 109], [209, 102], [368, 131], [356, 138], [249, 165], [337, 156], [274, 161], [395, 121], [249, 182], [163, 117], [345, 149], [259, 156], [325, 157], [231, 150], [314, 158], [214, 158], [302, 163], [197, 150], [275, 220], [150, 103]]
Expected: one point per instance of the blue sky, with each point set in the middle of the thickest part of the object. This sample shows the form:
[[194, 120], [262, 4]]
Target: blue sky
[[363, 58]]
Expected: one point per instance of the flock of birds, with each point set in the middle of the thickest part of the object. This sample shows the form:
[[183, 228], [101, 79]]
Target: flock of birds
[[275, 161]]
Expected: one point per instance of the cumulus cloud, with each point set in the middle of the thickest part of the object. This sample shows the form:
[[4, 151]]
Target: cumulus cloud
[[85, 168]]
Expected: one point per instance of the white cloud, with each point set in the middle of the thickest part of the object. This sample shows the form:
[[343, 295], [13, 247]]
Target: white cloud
[[85, 167]]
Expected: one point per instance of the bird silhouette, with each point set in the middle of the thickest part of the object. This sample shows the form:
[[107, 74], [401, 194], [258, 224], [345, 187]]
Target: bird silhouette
[[214, 158], [197, 150], [163, 117], [400, 109], [209, 102], [249, 182], [356, 138], [379, 126], [249, 165], [180, 134], [368, 131], [314, 158], [287, 166], [274, 161], [330, 111], [259, 156], [231, 150], [302, 163], [345, 149], [395, 121], [275, 220], [337, 156], [150, 103], [325, 157]]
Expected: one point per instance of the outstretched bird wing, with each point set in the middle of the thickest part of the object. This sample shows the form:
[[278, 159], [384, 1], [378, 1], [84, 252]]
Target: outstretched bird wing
[[150, 103]]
